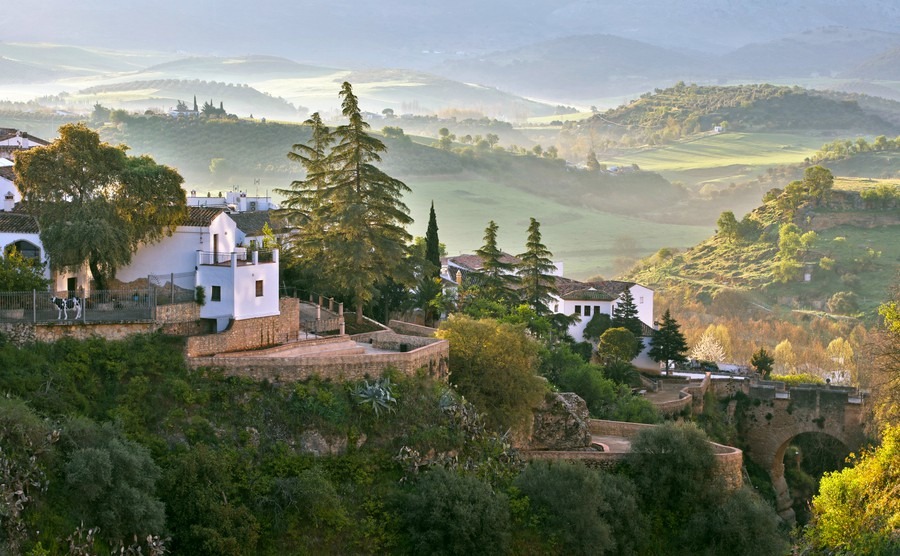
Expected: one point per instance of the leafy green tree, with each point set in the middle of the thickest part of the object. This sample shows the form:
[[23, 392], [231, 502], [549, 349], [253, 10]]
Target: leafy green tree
[[493, 365], [763, 362], [110, 481], [668, 344], [599, 323], [94, 203], [445, 513], [583, 510], [496, 280], [857, 510], [618, 345], [728, 225], [535, 271], [818, 182], [356, 239], [18, 273]]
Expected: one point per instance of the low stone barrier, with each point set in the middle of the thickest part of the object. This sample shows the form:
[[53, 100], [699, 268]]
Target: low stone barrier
[[411, 329], [729, 460], [432, 357]]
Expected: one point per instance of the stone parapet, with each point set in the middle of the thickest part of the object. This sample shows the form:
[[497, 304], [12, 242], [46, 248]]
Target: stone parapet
[[411, 329], [433, 358]]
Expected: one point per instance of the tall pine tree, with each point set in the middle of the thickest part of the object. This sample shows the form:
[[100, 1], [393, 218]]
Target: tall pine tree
[[496, 280], [305, 197], [668, 344], [358, 240], [535, 271], [625, 314]]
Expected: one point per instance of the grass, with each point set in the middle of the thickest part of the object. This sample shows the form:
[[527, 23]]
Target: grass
[[588, 242], [723, 157], [859, 184]]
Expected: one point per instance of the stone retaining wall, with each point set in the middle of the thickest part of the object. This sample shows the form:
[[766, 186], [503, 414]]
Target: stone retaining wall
[[251, 334], [411, 329], [79, 331], [431, 357], [729, 460]]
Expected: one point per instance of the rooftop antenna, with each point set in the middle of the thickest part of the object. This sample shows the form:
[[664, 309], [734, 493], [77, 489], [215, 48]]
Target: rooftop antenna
[[256, 183]]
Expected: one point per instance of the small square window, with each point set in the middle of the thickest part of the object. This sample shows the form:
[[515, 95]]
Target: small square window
[[641, 299], [259, 288], [578, 309], [587, 310], [216, 293]]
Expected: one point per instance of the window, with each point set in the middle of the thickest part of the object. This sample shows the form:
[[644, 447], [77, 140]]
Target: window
[[259, 288], [641, 298], [578, 309], [216, 293], [587, 310]]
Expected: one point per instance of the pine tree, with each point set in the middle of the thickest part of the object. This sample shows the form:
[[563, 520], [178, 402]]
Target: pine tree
[[432, 244], [305, 197], [496, 279], [625, 314], [538, 284], [355, 237], [668, 344]]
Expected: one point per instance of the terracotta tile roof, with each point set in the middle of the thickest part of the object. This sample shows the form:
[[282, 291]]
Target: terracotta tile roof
[[7, 172], [201, 216], [588, 294], [474, 262], [18, 223], [9, 133]]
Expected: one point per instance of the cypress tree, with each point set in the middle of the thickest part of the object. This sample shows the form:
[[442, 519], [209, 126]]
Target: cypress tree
[[538, 284], [432, 244]]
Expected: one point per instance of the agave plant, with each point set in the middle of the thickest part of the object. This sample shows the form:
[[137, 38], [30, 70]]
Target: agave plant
[[378, 395]]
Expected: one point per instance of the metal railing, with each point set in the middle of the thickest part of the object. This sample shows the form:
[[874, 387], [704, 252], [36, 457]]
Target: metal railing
[[99, 306]]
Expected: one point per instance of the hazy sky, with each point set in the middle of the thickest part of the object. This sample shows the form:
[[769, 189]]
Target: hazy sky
[[415, 32]]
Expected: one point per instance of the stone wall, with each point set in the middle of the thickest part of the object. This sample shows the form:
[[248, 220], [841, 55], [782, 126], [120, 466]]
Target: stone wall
[[250, 334], [79, 331], [729, 460], [18, 334], [411, 329], [178, 312], [432, 357]]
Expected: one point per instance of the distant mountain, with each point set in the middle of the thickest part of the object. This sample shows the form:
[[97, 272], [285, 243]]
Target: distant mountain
[[884, 66], [61, 60], [823, 52], [12, 71], [578, 67], [422, 33], [239, 68]]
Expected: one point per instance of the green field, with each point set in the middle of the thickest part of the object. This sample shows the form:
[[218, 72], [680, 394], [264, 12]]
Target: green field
[[587, 242], [724, 157]]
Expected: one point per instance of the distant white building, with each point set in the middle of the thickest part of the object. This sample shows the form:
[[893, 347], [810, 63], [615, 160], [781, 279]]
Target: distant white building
[[234, 201], [580, 299]]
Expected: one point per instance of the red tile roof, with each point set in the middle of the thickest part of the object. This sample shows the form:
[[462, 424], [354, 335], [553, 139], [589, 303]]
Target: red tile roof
[[202, 216]]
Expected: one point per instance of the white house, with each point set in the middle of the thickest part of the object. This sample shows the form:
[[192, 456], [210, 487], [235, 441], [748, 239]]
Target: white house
[[235, 201], [237, 284], [586, 299], [12, 140], [20, 231]]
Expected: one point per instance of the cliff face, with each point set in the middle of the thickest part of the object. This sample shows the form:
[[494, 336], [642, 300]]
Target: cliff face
[[848, 208]]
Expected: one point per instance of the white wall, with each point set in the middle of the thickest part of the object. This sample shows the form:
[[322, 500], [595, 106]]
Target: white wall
[[567, 307], [178, 252]]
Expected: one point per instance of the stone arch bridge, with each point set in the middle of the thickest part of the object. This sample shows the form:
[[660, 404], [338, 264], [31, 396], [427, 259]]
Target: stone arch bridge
[[776, 415]]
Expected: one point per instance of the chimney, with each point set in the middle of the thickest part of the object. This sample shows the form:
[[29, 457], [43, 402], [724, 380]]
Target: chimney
[[9, 202]]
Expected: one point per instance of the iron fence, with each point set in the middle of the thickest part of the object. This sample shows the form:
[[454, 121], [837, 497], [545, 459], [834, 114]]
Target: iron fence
[[99, 306]]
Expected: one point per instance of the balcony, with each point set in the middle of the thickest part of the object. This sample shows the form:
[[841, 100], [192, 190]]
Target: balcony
[[236, 258]]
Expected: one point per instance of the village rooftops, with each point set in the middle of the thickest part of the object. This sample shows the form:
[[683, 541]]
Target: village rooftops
[[475, 263]]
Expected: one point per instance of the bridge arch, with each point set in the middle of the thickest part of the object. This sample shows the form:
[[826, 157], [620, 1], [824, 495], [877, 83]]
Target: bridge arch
[[774, 418]]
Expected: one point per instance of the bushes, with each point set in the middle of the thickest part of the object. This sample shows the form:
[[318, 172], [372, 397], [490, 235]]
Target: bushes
[[452, 514]]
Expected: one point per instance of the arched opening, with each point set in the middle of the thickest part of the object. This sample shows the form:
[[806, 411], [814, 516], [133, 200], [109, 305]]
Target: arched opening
[[804, 459], [25, 248]]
